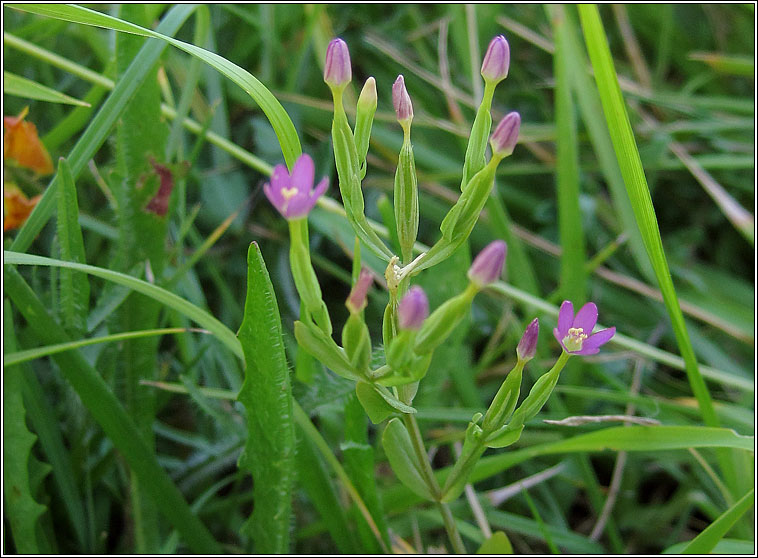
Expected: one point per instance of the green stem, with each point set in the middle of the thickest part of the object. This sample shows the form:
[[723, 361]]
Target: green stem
[[474, 450], [431, 481], [452, 529]]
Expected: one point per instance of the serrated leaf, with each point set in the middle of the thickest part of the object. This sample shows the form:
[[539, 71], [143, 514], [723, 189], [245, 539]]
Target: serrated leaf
[[266, 395], [74, 286], [22, 510], [399, 450]]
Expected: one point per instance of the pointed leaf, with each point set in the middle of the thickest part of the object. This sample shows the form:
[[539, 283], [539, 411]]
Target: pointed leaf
[[74, 286], [18, 86], [267, 397], [399, 450], [22, 510], [377, 409]]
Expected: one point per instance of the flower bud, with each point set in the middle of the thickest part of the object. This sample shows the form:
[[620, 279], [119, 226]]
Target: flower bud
[[497, 60], [488, 265], [527, 347], [367, 98], [337, 71], [401, 100], [413, 309], [357, 299], [505, 137]]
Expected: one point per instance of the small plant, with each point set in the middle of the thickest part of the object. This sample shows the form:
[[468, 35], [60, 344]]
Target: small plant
[[410, 332]]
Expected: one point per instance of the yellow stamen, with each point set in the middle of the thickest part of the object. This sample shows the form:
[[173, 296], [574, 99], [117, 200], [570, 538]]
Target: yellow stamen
[[575, 339], [288, 193]]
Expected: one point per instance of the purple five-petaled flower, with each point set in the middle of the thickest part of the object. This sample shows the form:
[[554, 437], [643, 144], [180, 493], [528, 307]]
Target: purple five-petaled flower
[[293, 195], [574, 333]]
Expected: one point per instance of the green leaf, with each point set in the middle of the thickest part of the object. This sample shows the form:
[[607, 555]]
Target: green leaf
[[23, 511], [46, 425], [573, 254], [267, 397], [498, 543], [359, 458], [74, 286], [112, 418], [376, 407], [629, 161], [322, 346], [18, 86], [727, 64], [591, 112], [724, 546], [628, 156], [31, 354], [280, 121], [397, 445], [314, 477], [706, 541], [307, 427]]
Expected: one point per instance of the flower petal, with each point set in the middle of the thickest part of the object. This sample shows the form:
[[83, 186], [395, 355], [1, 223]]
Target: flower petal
[[600, 338], [559, 337], [280, 178], [302, 174], [274, 195], [586, 318], [586, 351], [565, 318], [299, 205], [320, 188]]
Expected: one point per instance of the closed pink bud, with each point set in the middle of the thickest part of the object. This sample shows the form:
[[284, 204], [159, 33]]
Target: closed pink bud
[[401, 100], [505, 137], [357, 299], [337, 71], [527, 347], [488, 264], [413, 309], [497, 60]]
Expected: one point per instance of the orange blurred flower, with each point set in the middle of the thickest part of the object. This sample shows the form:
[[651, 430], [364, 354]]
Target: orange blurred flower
[[22, 144], [16, 207]]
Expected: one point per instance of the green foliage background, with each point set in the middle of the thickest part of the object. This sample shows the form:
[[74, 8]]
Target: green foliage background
[[133, 445]]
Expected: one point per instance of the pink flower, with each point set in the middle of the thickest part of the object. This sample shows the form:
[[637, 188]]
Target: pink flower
[[293, 195], [574, 333]]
